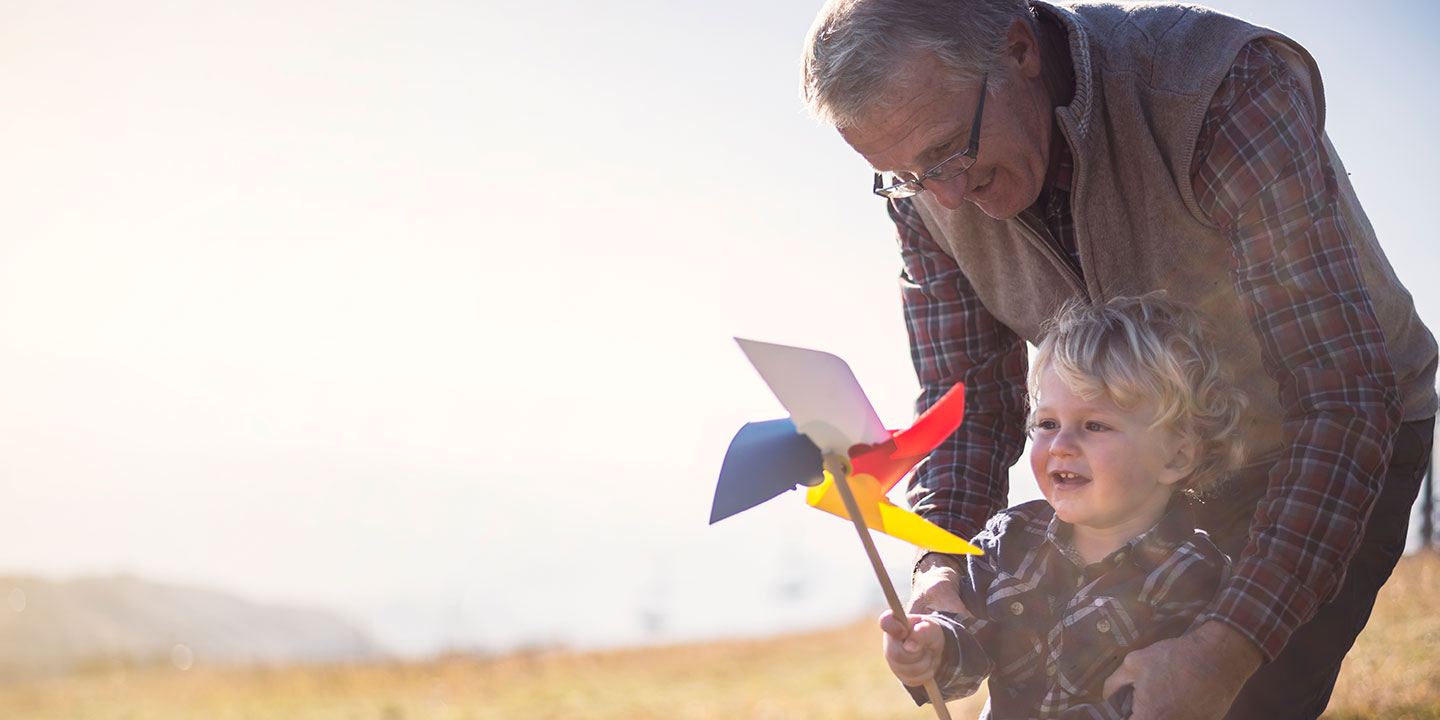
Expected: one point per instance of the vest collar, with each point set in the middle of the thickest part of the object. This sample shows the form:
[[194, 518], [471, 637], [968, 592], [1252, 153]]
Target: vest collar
[[1081, 107]]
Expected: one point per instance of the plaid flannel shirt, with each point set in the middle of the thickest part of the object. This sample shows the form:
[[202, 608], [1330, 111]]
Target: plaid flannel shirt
[[1047, 629], [1260, 175]]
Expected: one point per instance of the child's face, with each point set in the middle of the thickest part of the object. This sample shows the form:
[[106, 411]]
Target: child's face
[[1101, 467]]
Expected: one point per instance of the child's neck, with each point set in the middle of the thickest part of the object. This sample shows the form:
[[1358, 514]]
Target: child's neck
[[1094, 544]]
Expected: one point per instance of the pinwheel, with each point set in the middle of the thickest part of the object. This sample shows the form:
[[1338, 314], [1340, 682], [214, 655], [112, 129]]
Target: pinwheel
[[829, 414], [834, 443]]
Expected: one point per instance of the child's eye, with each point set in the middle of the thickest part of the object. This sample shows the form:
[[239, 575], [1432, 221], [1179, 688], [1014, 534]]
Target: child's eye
[[1093, 426], [1045, 425]]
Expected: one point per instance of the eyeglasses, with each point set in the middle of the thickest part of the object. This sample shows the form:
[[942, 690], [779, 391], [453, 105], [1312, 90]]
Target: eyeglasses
[[897, 188]]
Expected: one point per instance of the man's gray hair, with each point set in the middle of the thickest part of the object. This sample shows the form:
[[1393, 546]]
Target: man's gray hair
[[858, 52]]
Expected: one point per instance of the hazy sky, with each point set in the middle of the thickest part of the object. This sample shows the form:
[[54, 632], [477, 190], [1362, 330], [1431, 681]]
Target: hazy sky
[[423, 310]]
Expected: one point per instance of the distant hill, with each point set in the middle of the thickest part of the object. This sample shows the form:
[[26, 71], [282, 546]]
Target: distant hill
[[50, 626]]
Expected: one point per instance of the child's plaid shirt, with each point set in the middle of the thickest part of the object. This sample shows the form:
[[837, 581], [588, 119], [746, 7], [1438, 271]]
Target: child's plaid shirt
[[1048, 629]]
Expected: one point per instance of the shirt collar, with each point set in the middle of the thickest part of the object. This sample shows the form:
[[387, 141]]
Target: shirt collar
[[1149, 550]]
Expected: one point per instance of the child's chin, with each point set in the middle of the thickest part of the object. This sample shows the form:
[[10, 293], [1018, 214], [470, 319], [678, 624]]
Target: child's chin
[[1069, 515]]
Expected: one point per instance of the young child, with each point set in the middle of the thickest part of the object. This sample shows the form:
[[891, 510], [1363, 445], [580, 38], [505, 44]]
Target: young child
[[1130, 416]]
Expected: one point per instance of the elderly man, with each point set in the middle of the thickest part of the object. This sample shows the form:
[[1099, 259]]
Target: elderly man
[[1032, 153]]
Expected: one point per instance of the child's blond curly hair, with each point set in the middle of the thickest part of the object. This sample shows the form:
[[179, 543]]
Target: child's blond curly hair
[[1131, 349]]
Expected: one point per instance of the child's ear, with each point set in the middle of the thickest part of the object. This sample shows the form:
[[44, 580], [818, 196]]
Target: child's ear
[[1183, 458]]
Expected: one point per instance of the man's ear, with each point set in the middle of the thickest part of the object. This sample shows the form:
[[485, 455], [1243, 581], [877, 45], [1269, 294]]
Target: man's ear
[[1184, 457], [1024, 48]]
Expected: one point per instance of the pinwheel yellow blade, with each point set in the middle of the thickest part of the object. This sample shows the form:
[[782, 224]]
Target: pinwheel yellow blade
[[882, 515]]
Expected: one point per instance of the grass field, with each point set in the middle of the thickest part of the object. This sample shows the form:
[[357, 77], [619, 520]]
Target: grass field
[[1393, 672]]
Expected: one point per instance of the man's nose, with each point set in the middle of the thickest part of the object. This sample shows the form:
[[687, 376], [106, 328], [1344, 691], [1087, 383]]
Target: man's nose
[[949, 193]]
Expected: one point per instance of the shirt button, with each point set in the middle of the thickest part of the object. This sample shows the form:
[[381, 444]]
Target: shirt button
[[1103, 626], [1050, 670], [1080, 581], [1016, 608]]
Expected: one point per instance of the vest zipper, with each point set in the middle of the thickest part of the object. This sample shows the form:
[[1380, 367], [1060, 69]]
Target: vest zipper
[[1040, 237]]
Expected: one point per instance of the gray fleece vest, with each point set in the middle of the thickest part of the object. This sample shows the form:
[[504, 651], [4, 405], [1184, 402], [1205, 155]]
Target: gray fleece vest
[[1144, 78]]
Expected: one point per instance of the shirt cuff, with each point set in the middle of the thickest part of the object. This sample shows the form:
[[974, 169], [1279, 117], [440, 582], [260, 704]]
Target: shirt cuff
[[956, 562], [1264, 603]]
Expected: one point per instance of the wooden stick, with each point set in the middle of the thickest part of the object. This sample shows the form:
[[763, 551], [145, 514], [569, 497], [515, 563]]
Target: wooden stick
[[839, 467]]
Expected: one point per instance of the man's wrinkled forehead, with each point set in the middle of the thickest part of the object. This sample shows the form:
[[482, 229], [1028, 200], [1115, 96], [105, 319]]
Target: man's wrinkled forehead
[[918, 117]]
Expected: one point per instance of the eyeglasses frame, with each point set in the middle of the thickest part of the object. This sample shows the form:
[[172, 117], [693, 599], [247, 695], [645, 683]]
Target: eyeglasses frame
[[910, 188]]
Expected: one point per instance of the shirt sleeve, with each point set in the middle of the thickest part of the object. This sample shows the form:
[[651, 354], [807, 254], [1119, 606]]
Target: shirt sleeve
[[953, 338], [965, 663], [1261, 176], [971, 637]]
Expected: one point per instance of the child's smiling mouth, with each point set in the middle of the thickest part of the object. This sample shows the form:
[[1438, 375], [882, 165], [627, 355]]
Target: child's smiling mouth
[[1066, 480]]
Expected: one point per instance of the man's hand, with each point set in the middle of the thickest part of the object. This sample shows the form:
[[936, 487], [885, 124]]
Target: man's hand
[[935, 586], [1193, 677]]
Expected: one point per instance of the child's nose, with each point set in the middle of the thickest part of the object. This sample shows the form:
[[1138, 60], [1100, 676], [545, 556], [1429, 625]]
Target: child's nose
[[1063, 443]]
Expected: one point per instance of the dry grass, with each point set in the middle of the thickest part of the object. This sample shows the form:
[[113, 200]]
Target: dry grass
[[1394, 672], [1394, 669], [835, 674]]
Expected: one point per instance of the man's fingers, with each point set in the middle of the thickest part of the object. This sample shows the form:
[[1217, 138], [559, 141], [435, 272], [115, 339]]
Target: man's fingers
[[1120, 678], [1128, 674], [936, 601], [939, 598]]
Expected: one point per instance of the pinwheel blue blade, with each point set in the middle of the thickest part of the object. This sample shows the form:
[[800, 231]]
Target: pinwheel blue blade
[[764, 460]]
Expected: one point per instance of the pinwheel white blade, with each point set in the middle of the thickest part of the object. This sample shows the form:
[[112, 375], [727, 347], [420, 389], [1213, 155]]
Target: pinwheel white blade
[[821, 394]]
